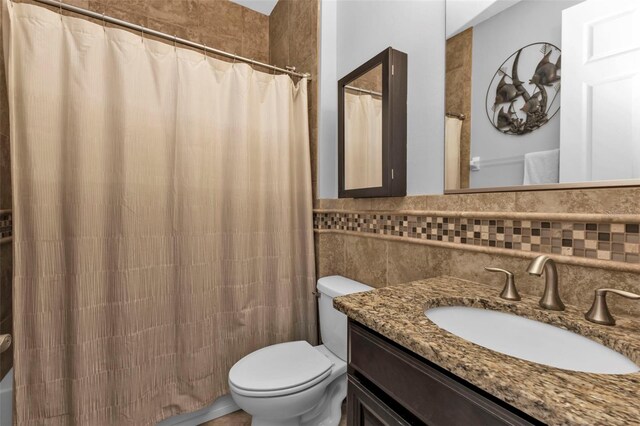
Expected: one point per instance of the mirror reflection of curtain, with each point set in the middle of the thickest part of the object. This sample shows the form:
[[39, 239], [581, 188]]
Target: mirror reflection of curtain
[[363, 141], [453, 127], [162, 220]]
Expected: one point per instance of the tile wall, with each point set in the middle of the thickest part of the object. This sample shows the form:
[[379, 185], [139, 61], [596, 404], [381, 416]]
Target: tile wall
[[589, 239], [221, 24], [458, 93], [381, 258], [293, 40]]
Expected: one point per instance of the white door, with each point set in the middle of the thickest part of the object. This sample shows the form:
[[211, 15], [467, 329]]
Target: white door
[[600, 106]]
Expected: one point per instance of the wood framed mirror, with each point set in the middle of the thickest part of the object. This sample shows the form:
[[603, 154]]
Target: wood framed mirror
[[372, 128]]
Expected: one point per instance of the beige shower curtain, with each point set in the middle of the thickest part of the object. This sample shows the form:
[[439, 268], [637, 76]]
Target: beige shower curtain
[[163, 222], [363, 141], [452, 131]]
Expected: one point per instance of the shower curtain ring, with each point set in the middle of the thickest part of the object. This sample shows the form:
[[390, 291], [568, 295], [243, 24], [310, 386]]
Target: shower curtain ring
[[142, 33], [104, 22], [60, 8], [175, 42], [204, 50]]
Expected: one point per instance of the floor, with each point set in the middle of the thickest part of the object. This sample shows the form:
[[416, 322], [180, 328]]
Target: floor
[[240, 418]]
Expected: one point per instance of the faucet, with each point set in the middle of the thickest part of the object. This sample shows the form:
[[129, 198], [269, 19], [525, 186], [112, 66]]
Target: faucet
[[599, 312], [509, 292], [551, 298]]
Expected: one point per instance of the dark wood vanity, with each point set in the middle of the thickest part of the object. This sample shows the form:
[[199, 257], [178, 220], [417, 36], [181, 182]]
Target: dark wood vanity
[[389, 385]]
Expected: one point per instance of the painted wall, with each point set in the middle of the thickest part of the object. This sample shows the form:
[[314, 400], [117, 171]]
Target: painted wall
[[364, 29], [328, 103], [494, 40], [464, 14]]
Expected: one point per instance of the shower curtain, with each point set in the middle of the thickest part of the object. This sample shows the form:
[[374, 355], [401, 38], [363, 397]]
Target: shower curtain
[[363, 141], [452, 131], [163, 220]]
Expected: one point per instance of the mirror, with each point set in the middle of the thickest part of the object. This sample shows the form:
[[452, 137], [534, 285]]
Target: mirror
[[363, 130], [541, 94], [372, 128]]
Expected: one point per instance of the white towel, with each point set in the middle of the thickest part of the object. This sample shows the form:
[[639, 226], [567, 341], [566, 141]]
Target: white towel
[[542, 167]]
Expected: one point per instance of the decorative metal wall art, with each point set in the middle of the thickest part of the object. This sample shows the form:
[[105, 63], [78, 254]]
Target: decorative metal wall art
[[518, 107]]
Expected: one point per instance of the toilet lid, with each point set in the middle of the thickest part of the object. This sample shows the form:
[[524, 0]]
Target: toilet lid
[[279, 367]]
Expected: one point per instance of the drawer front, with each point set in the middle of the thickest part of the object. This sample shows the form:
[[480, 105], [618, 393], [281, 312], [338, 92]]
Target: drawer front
[[430, 395], [365, 409]]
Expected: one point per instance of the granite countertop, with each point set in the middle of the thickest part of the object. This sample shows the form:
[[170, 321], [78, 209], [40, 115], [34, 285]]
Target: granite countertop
[[551, 395]]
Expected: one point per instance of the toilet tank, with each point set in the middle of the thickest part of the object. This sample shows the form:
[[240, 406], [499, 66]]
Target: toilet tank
[[333, 323]]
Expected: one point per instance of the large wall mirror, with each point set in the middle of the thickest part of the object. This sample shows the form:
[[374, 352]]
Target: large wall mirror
[[372, 123], [542, 94]]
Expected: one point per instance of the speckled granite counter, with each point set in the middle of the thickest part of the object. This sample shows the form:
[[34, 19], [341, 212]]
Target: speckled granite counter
[[552, 395]]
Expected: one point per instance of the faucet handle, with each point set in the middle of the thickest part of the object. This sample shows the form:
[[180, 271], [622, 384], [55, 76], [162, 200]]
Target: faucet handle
[[509, 292], [599, 312]]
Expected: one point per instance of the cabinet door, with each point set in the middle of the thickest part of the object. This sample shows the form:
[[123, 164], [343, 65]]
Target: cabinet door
[[365, 409]]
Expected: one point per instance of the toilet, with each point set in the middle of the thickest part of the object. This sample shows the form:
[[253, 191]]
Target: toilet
[[294, 383]]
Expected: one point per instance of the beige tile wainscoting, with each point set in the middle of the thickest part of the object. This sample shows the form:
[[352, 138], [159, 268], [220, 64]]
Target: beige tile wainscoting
[[592, 234]]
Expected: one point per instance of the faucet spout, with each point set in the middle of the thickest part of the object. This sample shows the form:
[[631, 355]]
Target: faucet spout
[[551, 297]]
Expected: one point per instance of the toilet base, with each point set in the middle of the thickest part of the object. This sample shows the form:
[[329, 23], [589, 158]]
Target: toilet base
[[329, 411], [326, 413]]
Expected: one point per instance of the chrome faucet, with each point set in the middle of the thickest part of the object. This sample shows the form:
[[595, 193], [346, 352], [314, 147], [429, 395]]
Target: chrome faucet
[[551, 298]]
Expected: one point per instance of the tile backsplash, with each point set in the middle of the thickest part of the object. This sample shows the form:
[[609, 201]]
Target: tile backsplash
[[619, 242], [387, 241]]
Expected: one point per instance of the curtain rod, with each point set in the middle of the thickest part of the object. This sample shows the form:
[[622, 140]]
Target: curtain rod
[[173, 38], [448, 114], [357, 89]]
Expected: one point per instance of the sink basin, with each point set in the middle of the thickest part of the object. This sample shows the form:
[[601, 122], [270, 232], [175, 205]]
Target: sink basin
[[530, 340]]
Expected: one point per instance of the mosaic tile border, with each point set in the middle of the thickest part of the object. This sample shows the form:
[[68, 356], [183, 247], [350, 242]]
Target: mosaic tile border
[[605, 241], [6, 225]]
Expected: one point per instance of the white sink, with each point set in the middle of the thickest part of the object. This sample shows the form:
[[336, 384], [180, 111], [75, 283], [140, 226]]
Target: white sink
[[530, 340]]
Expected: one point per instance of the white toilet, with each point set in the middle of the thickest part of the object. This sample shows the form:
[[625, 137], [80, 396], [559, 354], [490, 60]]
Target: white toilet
[[294, 383]]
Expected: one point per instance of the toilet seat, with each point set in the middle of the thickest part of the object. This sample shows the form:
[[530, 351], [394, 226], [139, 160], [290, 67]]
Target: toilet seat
[[281, 369]]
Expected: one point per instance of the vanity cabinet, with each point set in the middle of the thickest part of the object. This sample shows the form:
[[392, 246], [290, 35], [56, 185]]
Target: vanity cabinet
[[389, 385], [366, 409]]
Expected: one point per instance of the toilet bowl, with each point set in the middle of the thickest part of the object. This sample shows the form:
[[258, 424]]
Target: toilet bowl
[[294, 383]]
